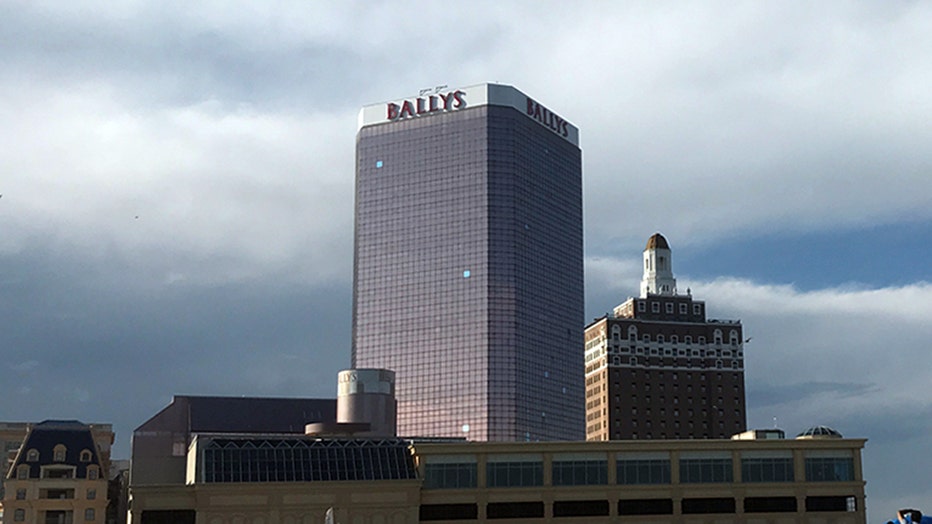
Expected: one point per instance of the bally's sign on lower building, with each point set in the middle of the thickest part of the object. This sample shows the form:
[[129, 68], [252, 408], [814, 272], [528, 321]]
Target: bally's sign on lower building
[[446, 101]]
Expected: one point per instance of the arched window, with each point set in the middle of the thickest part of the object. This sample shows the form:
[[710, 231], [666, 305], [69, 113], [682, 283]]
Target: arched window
[[59, 453], [718, 336], [85, 455], [733, 336], [32, 455]]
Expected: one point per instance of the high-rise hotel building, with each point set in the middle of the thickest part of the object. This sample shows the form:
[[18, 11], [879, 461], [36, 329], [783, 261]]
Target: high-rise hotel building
[[468, 271], [656, 368]]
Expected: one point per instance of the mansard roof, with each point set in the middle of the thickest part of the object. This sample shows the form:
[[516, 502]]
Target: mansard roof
[[45, 436]]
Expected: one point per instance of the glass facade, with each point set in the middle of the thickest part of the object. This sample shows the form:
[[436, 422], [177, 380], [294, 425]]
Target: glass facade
[[468, 273], [303, 460]]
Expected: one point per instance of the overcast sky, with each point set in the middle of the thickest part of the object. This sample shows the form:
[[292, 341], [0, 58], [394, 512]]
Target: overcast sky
[[177, 191]]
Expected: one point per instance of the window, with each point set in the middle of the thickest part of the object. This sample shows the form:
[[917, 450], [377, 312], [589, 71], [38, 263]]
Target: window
[[580, 472], [767, 469], [831, 503], [697, 309], [57, 472], [770, 505], [89, 514], [85, 455], [705, 470], [58, 454], [430, 512], [91, 494], [829, 469], [19, 515], [645, 507], [642, 307], [708, 505], [580, 508], [514, 510], [450, 476], [22, 472], [21, 494], [514, 474], [655, 307], [32, 455], [668, 307], [92, 473], [683, 309], [643, 471]]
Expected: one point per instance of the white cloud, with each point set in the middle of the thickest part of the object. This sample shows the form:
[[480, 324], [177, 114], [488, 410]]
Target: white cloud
[[248, 193]]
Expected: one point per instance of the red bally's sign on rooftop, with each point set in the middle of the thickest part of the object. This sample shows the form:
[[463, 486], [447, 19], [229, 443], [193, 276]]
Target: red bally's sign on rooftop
[[453, 100], [429, 104]]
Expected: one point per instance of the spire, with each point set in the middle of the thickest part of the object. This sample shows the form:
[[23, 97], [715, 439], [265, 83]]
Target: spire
[[658, 268]]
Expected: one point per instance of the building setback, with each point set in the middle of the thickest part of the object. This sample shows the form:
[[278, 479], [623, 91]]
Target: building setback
[[468, 272], [656, 368]]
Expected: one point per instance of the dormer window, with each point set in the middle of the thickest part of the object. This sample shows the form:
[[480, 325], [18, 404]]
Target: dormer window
[[22, 472], [92, 473], [32, 455], [85, 455], [58, 454]]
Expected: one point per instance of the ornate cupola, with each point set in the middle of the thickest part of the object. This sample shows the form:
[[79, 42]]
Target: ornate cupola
[[658, 268]]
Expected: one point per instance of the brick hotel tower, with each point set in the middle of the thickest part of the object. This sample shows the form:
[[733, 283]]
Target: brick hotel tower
[[468, 271], [657, 369]]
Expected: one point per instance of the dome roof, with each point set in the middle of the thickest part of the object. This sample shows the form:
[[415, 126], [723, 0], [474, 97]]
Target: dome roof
[[656, 241], [819, 432]]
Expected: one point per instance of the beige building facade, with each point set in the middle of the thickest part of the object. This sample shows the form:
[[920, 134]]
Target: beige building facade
[[272, 479]]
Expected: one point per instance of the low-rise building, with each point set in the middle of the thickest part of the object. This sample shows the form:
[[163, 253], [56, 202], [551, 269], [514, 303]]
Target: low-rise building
[[277, 478], [59, 474]]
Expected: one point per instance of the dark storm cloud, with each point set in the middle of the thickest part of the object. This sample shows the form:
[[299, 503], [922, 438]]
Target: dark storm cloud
[[102, 344], [763, 396]]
